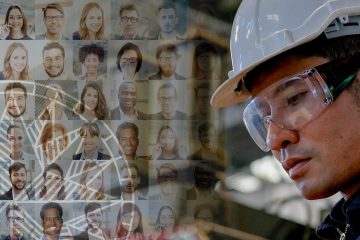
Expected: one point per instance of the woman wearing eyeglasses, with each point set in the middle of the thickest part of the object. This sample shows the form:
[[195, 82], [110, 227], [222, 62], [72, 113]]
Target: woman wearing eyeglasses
[[16, 24], [128, 62]]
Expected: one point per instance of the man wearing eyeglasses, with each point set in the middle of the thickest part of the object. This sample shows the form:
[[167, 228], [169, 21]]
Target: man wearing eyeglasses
[[302, 72], [167, 99], [167, 56], [51, 219], [18, 190], [54, 22], [129, 19], [15, 219]]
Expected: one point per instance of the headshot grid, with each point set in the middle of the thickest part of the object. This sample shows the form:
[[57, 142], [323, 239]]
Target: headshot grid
[[106, 127]]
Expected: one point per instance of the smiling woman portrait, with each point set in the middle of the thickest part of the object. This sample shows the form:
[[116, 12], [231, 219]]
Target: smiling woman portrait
[[91, 23], [16, 24], [15, 63]]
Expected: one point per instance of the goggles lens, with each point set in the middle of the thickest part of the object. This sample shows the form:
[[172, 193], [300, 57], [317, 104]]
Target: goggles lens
[[295, 101]]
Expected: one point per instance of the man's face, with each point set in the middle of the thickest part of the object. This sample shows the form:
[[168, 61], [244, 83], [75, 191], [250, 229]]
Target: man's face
[[203, 101], [129, 61], [167, 100], [94, 219], [129, 22], [18, 179], [128, 142], [14, 222], [53, 61], [127, 96], [54, 21], [208, 139], [167, 62], [16, 140], [130, 179], [167, 181], [52, 223], [203, 178], [321, 157], [15, 102], [167, 20]]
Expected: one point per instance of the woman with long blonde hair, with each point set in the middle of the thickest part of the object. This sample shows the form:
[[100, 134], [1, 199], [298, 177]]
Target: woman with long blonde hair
[[91, 23], [16, 65]]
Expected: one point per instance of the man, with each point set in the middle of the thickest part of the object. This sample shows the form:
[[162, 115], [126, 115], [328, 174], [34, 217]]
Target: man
[[54, 22], [15, 219], [51, 218], [129, 19], [167, 57], [54, 62], [15, 102], [18, 190], [202, 106], [94, 218], [16, 138], [130, 179], [209, 149], [127, 96], [167, 99], [127, 135], [204, 181], [305, 90], [167, 20]]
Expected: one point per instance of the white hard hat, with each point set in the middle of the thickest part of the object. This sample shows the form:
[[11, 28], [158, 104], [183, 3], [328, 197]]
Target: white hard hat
[[263, 29]]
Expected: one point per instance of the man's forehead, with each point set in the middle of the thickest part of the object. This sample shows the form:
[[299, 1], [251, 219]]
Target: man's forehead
[[167, 11], [53, 52], [16, 131], [15, 92], [14, 212], [51, 212], [21, 170], [129, 13], [169, 91], [167, 53], [128, 87], [127, 132]]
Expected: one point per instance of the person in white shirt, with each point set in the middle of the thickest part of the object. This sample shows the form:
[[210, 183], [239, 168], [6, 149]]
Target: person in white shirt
[[54, 22]]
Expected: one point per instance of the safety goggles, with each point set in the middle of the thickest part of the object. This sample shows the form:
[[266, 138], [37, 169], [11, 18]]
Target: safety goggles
[[295, 101]]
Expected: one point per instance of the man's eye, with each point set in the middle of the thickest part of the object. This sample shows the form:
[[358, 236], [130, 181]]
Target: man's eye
[[297, 98]]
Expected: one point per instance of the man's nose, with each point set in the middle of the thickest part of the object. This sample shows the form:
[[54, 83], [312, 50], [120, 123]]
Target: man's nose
[[279, 137]]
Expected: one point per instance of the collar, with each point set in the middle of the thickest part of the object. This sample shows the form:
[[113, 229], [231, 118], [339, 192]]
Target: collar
[[343, 213], [93, 157], [126, 117]]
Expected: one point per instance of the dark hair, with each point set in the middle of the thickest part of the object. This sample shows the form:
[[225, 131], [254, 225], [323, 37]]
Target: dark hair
[[90, 207], [126, 47], [91, 49], [203, 47], [127, 125], [14, 85], [162, 209], [55, 6], [24, 27], [50, 205], [61, 194], [167, 6], [16, 166], [203, 85], [128, 7], [204, 127], [167, 48], [129, 165], [52, 45], [124, 209], [14, 207], [11, 126]]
